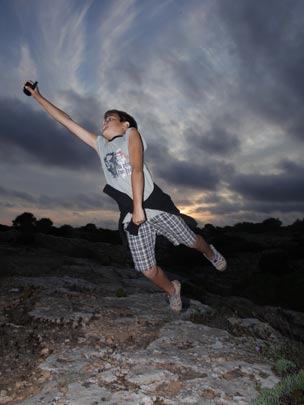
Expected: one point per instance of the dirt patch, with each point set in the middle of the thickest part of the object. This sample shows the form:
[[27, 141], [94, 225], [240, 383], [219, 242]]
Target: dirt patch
[[24, 344]]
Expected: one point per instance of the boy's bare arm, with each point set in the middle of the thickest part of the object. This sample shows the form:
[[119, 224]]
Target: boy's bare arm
[[137, 177], [64, 119]]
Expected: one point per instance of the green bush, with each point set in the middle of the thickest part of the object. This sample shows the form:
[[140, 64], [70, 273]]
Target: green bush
[[283, 366], [292, 386]]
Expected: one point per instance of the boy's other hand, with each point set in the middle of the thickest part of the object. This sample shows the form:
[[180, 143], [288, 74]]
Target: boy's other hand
[[138, 216]]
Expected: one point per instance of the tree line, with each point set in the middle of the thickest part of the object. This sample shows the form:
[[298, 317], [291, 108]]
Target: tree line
[[27, 223]]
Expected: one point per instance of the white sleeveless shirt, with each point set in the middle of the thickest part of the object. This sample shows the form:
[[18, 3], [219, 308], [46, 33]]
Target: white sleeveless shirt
[[115, 162]]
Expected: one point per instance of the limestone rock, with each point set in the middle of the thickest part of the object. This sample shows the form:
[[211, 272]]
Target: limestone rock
[[81, 332], [182, 363]]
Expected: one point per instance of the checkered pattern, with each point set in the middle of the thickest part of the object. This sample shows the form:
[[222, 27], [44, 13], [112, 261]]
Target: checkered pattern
[[142, 246]]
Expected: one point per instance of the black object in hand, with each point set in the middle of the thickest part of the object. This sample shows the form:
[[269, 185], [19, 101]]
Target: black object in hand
[[133, 228], [31, 85]]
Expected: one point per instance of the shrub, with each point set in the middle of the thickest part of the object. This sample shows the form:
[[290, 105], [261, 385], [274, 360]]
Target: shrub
[[290, 387], [44, 225], [283, 366], [25, 222]]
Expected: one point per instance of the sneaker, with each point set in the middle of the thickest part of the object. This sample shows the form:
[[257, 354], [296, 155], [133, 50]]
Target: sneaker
[[219, 262], [175, 300]]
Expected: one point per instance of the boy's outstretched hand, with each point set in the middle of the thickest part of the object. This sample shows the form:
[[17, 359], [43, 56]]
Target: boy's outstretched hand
[[30, 88]]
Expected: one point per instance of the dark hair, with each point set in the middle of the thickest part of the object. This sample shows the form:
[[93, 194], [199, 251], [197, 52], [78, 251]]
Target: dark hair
[[123, 116]]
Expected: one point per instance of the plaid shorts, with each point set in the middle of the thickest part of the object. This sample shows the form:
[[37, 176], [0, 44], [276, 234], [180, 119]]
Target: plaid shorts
[[142, 246]]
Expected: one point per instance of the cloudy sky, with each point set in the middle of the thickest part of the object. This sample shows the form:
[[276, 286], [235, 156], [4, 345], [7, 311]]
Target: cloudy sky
[[216, 86]]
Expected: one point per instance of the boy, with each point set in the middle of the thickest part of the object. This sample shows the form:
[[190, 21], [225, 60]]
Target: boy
[[145, 210]]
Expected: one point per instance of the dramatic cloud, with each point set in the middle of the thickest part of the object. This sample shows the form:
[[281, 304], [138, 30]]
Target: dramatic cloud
[[268, 42], [189, 175], [216, 141], [216, 87], [6, 193], [76, 201], [287, 186], [28, 134]]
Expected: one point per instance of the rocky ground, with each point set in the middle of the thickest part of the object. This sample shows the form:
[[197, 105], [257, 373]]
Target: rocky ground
[[90, 330]]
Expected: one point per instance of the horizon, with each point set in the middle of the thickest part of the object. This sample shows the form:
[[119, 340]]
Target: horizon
[[116, 229]]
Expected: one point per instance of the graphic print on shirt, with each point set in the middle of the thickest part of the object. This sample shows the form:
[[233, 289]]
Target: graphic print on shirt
[[117, 164]]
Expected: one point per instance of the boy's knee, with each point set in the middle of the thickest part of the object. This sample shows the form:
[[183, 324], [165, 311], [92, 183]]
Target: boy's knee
[[151, 273]]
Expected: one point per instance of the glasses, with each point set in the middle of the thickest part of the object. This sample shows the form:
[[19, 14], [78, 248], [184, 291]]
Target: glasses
[[109, 119]]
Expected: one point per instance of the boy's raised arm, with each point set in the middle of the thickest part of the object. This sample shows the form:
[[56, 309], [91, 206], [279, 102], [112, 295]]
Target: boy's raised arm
[[63, 118]]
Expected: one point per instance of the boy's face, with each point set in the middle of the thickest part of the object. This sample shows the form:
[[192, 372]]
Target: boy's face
[[112, 126]]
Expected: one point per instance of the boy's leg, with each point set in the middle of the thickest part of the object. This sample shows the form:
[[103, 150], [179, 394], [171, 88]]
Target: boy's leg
[[173, 288], [159, 278], [142, 248], [209, 251], [177, 231], [202, 246]]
